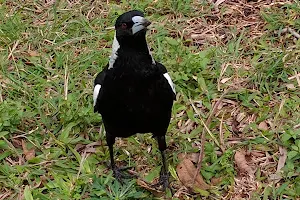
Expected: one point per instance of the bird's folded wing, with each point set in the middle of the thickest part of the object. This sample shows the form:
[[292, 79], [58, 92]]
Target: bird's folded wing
[[165, 73], [97, 86]]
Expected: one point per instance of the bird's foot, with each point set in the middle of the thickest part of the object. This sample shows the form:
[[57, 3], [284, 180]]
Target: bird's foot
[[121, 173], [163, 182]]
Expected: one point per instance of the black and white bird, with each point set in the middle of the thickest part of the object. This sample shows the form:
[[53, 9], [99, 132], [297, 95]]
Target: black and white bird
[[134, 93]]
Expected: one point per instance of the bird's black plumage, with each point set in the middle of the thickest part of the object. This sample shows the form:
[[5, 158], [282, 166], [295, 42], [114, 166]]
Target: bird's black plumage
[[135, 93]]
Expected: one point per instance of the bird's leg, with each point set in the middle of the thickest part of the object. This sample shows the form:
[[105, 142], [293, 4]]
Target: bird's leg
[[116, 170], [111, 154], [164, 175], [110, 142]]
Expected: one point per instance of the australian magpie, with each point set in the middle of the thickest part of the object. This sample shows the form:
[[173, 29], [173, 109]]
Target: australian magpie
[[134, 93]]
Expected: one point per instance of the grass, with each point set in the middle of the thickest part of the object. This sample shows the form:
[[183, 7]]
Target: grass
[[50, 53]]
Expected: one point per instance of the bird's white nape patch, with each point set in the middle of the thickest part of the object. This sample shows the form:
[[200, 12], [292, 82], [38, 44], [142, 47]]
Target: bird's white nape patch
[[96, 93], [138, 24], [114, 55], [167, 76]]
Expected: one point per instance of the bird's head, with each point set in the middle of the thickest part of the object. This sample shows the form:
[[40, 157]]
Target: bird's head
[[130, 35], [131, 24]]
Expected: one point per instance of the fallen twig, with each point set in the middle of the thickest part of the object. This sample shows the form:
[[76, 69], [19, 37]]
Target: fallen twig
[[66, 81], [292, 31], [1, 98], [12, 50], [221, 135], [201, 155], [295, 76]]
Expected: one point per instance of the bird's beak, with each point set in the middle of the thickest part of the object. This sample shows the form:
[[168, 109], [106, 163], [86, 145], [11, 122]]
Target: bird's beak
[[146, 22], [140, 23]]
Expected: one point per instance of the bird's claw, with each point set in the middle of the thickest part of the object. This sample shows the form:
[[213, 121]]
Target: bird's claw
[[163, 182], [124, 168], [121, 173]]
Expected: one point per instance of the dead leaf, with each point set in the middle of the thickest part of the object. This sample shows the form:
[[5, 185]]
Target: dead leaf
[[274, 178], [33, 53], [191, 156], [240, 116], [216, 181], [290, 86], [17, 142], [179, 124], [220, 106], [5, 195], [180, 114], [224, 80], [218, 2], [79, 147], [93, 144], [296, 126], [263, 126], [181, 192], [181, 156], [90, 150], [234, 126], [257, 153], [228, 101], [148, 187], [244, 187], [29, 154], [186, 171], [242, 164], [282, 158]]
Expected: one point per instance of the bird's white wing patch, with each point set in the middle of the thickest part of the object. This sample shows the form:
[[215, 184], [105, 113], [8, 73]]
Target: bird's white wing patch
[[114, 56], [167, 76], [96, 93]]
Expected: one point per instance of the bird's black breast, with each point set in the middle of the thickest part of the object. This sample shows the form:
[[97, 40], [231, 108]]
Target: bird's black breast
[[135, 97]]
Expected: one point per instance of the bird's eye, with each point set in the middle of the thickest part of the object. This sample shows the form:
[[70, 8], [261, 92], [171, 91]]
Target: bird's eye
[[123, 25]]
